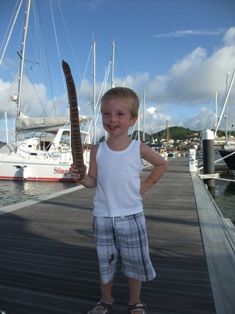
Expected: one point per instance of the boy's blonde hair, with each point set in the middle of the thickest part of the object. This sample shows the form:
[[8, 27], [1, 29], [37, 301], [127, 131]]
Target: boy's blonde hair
[[126, 94]]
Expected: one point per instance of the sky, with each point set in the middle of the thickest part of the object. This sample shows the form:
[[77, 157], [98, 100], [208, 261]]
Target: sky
[[178, 55]]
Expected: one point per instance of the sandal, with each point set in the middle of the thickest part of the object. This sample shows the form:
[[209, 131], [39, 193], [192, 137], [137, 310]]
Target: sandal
[[136, 308], [102, 308]]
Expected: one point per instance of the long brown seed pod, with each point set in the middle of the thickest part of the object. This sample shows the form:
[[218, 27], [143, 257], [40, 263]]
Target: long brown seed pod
[[76, 143]]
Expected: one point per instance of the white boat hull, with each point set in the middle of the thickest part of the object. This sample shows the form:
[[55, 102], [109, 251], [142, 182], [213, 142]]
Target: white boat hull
[[31, 161], [36, 169]]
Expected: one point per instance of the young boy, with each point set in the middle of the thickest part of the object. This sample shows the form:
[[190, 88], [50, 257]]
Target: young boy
[[118, 218]]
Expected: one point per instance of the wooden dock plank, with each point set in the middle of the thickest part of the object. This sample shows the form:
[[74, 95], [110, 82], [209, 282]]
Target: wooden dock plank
[[48, 259]]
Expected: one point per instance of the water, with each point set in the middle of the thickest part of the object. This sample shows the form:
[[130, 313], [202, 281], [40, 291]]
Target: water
[[224, 196], [13, 192]]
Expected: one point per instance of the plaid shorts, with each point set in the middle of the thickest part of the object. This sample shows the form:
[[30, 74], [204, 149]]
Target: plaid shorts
[[124, 238]]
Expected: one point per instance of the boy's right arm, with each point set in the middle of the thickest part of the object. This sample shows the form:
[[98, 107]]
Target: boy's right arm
[[89, 179]]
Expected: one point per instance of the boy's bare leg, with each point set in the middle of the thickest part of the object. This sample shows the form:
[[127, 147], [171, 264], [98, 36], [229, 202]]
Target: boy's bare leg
[[106, 294], [134, 290], [106, 291]]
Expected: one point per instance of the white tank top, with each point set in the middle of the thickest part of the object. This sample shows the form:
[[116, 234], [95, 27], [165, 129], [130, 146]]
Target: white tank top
[[118, 181]]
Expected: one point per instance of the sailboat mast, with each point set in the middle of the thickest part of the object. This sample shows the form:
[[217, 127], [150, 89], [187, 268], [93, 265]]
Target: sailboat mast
[[22, 57], [225, 102], [144, 117], [6, 128], [94, 91], [113, 52], [9, 35], [216, 110]]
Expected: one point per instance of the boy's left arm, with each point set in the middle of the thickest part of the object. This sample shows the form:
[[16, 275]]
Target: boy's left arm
[[159, 167]]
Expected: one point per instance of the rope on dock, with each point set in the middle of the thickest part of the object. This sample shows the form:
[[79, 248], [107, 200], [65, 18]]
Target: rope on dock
[[223, 179], [214, 176], [220, 159]]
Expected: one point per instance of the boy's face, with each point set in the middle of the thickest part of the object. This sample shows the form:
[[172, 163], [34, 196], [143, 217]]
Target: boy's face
[[116, 116]]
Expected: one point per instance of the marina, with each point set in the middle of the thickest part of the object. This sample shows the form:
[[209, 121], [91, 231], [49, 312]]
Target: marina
[[48, 258]]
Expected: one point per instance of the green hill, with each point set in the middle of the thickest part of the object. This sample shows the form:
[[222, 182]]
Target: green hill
[[178, 133], [175, 133]]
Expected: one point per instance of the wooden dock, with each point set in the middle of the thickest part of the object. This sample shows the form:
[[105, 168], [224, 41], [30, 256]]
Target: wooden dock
[[48, 259]]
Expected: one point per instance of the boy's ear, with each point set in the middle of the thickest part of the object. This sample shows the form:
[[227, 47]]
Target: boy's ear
[[133, 120]]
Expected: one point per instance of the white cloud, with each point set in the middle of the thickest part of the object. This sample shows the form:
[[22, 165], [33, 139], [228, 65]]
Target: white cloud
[[191, 32], [91, 4], [201, 121], [229, 38]]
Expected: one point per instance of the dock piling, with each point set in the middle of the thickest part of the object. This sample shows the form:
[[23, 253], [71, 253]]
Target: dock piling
[[208, 157]]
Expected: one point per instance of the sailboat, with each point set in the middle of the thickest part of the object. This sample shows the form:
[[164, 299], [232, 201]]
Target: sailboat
[[228, 150], [45, 156], [228, 154]]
